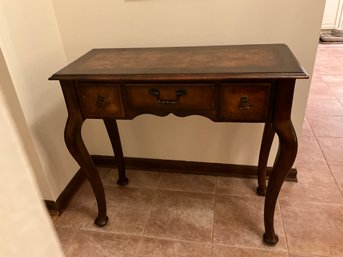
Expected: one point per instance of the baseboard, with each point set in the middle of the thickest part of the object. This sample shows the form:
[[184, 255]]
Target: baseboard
[[174, 166], [216, 169], [65, 197]]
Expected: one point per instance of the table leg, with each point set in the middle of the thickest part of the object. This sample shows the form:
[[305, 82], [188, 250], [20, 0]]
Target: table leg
[[113, 133], [267, 140], [285, 158], [76, 147]]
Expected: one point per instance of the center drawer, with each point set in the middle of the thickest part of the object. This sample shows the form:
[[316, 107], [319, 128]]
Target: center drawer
[[152, 96]]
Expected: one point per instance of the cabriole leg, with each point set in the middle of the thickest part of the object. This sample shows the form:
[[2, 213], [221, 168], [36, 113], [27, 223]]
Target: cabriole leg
[[283, 163], [267, 140], [113, 133], [78, 150]]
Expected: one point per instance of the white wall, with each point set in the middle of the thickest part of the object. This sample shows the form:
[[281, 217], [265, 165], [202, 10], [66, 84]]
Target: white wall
[[30, 40], [25, 228], [36, 44], [107, 23], [332, 13]]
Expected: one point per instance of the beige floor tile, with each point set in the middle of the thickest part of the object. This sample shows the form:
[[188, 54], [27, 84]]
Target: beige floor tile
[[313, 228], [324, 107], [239, 222], [320, 91], [84, 198], [326, 126], [137, 178], [328, 65], [128, 210], [104, 172], [336, 50], [337, 91], [152, 247], [332, 149], [182, 215], [309, 152], [65, 236], [236, 186], [226, 251], [96, 244], [314, 189], [305, 255], [333, 80], [317, 81], [188, 182], [305, 170], [75, 217]]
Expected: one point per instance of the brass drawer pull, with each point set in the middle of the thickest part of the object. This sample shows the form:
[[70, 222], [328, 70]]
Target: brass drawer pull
[[178, 94], [244, 103], [100, 101]]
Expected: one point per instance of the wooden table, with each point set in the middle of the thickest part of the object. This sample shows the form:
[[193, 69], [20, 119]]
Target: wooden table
[[245, 83]]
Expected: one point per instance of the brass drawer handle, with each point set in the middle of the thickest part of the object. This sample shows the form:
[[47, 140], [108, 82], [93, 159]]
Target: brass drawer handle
[[156, 92], [244, 103]]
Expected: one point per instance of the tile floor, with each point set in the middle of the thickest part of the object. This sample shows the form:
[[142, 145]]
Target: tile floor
[[165, 215]]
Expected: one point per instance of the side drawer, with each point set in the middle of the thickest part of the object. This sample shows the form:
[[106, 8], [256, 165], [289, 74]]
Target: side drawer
[[244, 101], [100, 100], [192, 96]]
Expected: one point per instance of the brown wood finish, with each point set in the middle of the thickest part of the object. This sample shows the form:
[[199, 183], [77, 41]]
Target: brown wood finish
[[266, 144], [78, 150], [283, 127], [249, 83], [100, 100], [244, 102], [113, 132]]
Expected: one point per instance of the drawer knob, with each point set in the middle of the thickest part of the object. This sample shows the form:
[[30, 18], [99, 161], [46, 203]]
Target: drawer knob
[[100, 101], [244, 103], [156, 92]]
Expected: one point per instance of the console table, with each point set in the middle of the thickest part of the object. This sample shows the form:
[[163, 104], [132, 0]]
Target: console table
[[243, 83]]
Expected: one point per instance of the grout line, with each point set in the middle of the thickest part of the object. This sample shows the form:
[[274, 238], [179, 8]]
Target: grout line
[[267, 248], [334, 177], [176, 239], [292, 201], [284, 228], [150, 211], [214, 213], [214, 217], [316, 138], [327, 136], [308, 123], [75, 231], [331, 91], [320, 148], [184, 191]]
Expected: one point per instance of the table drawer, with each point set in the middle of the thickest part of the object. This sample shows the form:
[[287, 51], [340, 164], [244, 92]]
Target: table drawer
[[244, 102], [170, 96], [100, 100]]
